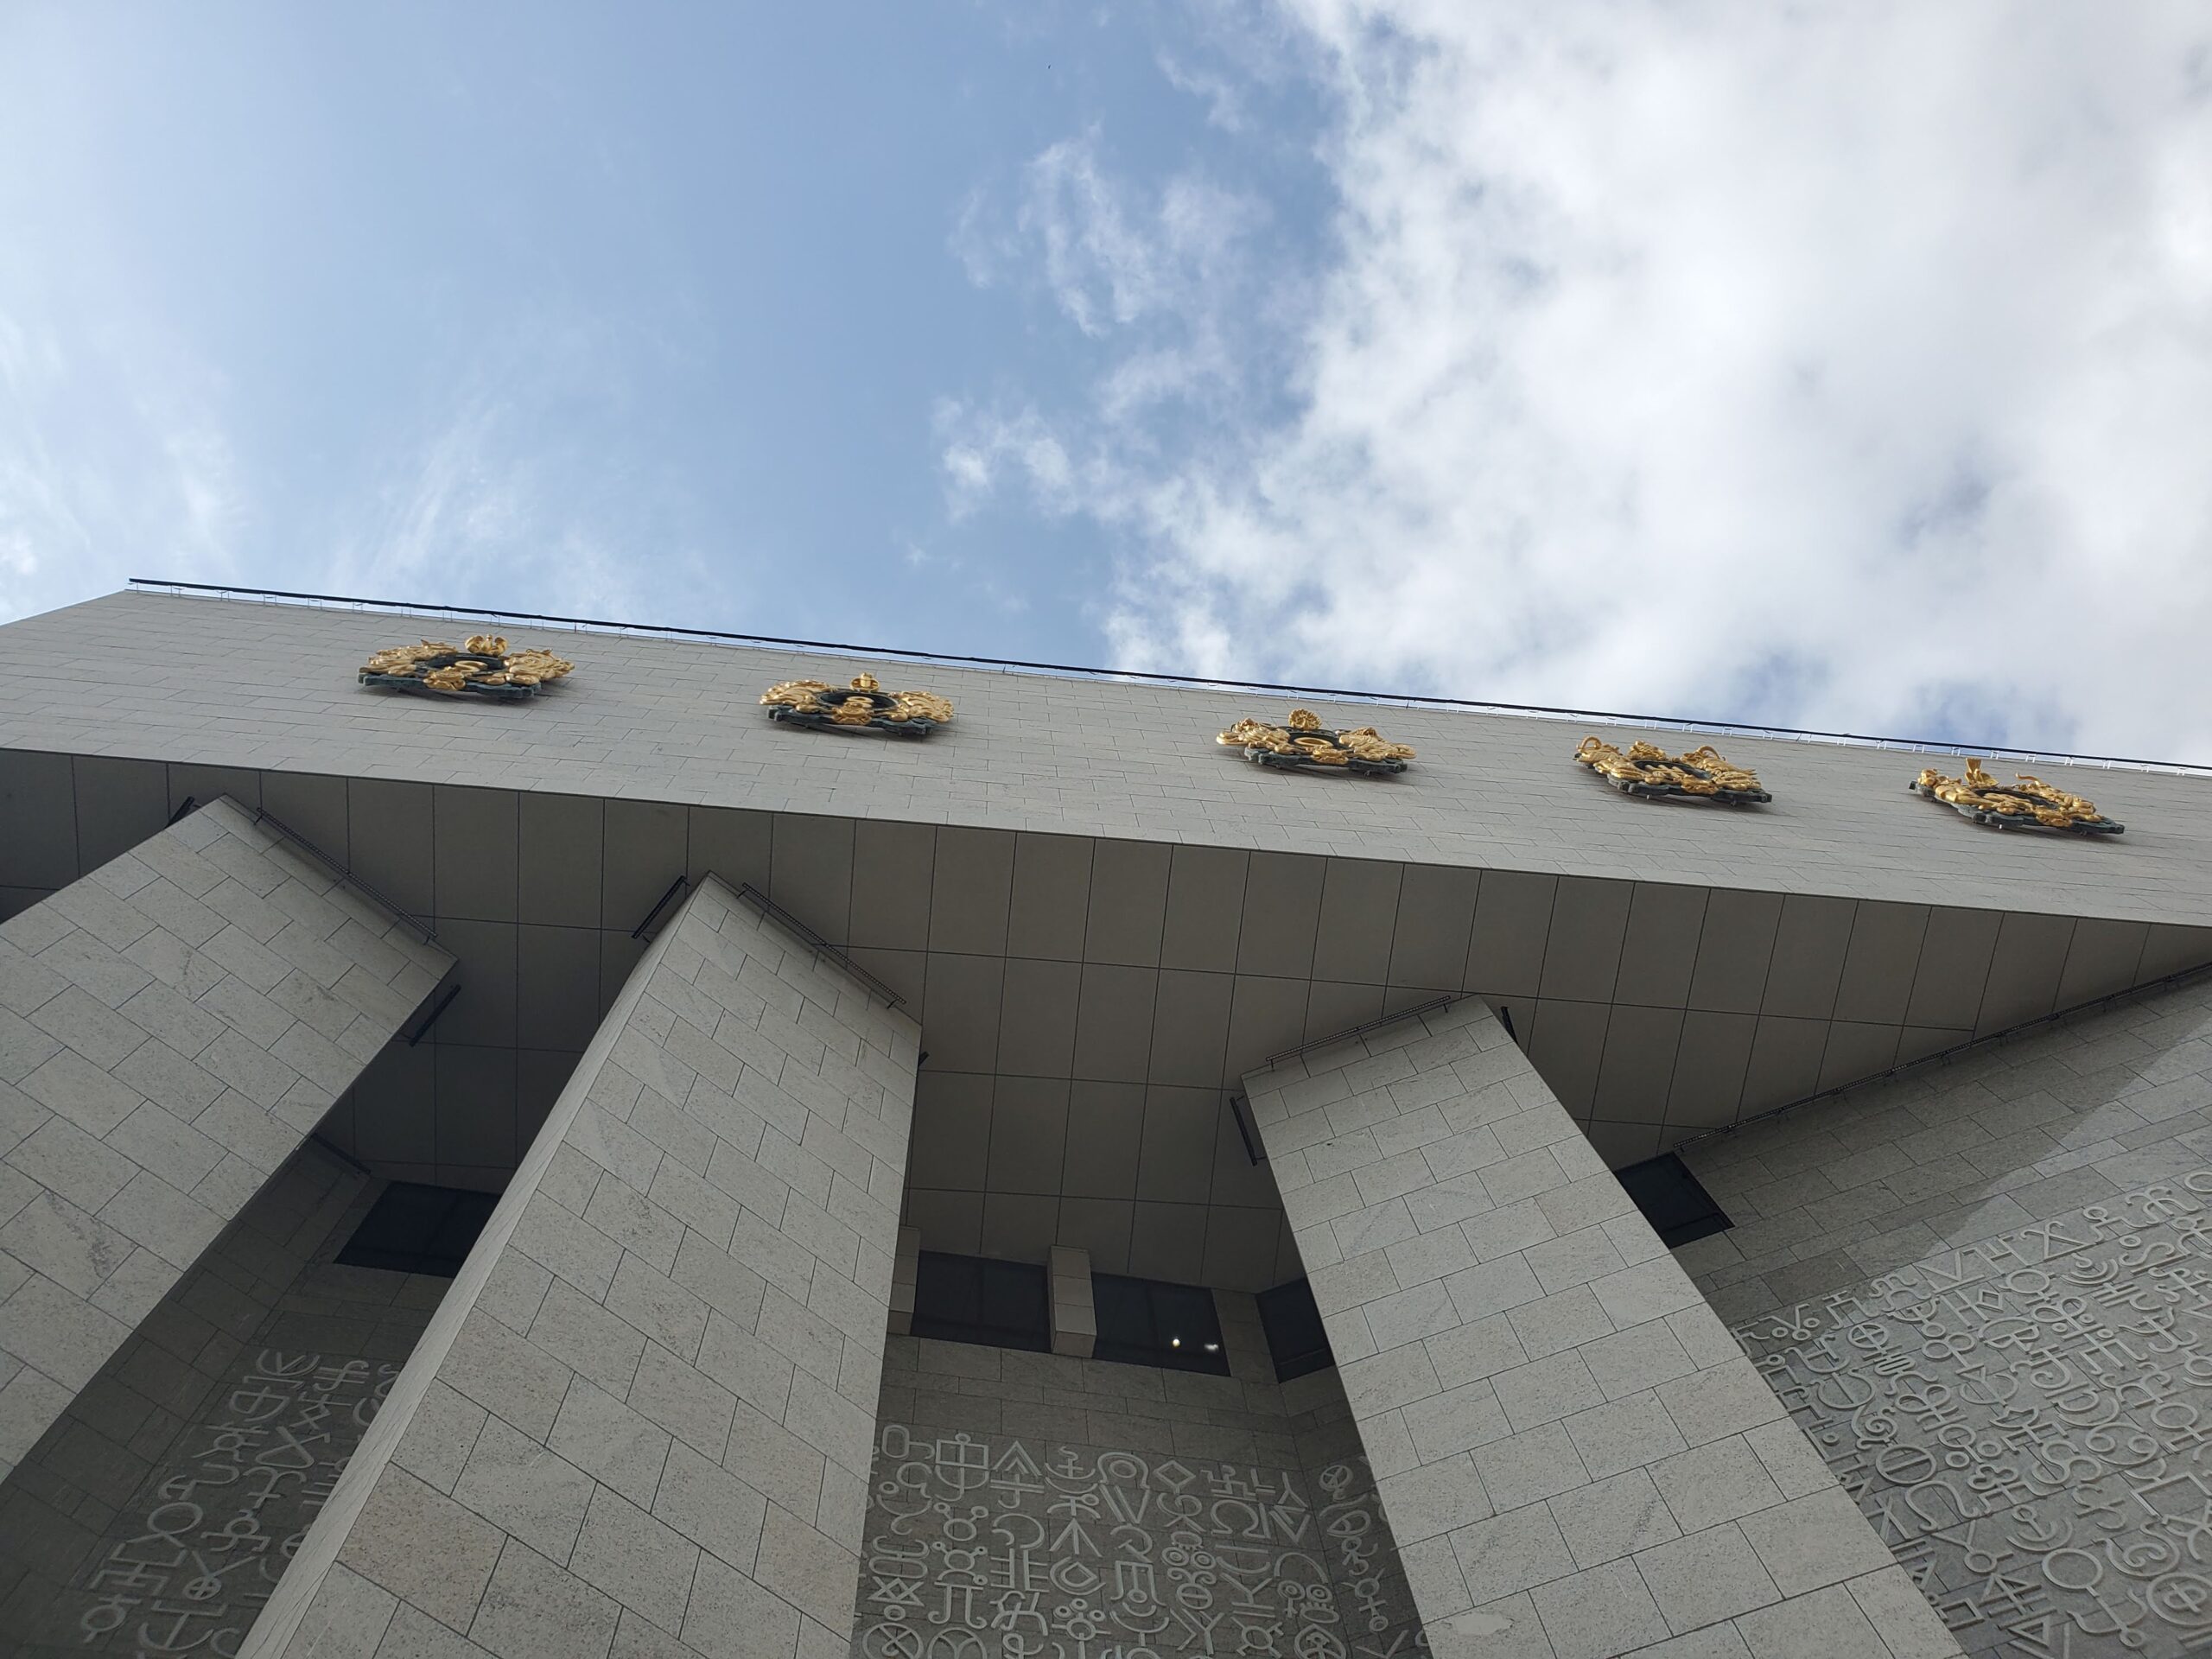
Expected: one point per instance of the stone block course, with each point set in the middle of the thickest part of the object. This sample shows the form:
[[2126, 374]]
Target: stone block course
[[1672, 968], [2029, 1160], [1266, 1478], [261, 1342], [656, 1376], [155, 1078], [1606, 1470]]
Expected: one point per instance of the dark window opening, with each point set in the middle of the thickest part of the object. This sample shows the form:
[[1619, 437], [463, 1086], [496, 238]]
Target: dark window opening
[[1144, 1322], [974, 1298], [416, 1229], [1678, 1208], [1295, 1336]]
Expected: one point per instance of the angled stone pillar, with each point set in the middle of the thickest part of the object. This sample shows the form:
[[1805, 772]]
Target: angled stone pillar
[[642, 1420], [171, 1026], [1573, 1454]]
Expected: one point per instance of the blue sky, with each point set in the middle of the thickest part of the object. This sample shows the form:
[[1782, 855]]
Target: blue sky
[[645, 310], [1585, 353]]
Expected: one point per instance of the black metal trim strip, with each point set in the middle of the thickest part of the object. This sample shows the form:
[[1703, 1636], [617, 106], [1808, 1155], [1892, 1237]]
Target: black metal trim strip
[[654, 915], [431, 1017], [185, 809], [1410, 699], [1244, 1133], [339, 1152], [814, 941], [429, 934]]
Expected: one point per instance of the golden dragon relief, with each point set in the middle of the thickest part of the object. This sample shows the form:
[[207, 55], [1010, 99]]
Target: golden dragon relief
[[1305, 743], [862, 705], [482, 666], [2024, 804], [1648, 771]]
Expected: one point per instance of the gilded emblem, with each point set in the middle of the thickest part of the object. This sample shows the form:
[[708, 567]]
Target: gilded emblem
[[1306, 742], [1649, 770], [482, 667], [2024, 804], [863, 704]]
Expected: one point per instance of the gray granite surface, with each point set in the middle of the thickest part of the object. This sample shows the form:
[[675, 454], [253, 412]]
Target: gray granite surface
[[1984, 1291], [1575, 1458], [158, 1516], [657, 719], [1026, 1504], [172, 1026], [645, 1416]]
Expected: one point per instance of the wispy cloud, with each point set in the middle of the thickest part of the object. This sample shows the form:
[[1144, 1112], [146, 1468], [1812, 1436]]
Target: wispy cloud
[[981, 449], [1109, 253], [115, 460], [1223, 97], [1846, 363]]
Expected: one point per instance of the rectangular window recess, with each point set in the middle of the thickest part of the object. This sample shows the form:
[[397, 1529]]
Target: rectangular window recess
[[1679, 1210], [1296, 1338], [416, 1229], [975, 1299], [1149, 1322]]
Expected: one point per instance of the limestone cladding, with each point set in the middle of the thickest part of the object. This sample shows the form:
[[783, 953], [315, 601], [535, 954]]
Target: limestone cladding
[[641, 1421], [156, 676], [1981, 1290], [1575, 1458], [2070, 1113], [171, 1026], [161, 1509], [1022, 1500]]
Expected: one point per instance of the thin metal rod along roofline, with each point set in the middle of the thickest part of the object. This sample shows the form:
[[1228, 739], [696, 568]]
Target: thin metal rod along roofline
[[1140, 677]]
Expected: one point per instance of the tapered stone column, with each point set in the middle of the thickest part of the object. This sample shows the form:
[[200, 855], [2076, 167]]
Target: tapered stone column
[[171, 1026], [1574, 1457], [642, 1420]]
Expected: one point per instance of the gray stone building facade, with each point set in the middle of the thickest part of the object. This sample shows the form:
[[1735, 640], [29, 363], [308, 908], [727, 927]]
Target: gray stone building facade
[[606, 1173]]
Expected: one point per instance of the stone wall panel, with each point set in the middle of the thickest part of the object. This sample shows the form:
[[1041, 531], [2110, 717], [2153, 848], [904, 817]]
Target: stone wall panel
[[643, 1416], [171, 1026], [1574, 1455]]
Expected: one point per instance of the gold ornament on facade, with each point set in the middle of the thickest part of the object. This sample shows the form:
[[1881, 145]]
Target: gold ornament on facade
[[1304, 742], [2024, 804], [482, 666], [1648, 771], [863, 704]]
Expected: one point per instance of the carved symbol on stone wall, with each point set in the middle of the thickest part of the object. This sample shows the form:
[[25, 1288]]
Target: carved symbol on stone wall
[[2025, 1421], [222, 1528], [988, 1548]]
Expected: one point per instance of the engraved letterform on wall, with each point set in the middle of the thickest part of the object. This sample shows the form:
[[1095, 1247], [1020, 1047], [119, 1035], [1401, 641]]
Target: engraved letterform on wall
[[993, 1547], [2026, 1421], [188, 1570]]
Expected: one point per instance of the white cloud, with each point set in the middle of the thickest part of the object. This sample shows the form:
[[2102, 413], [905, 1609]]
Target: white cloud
[[1844, 364]]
